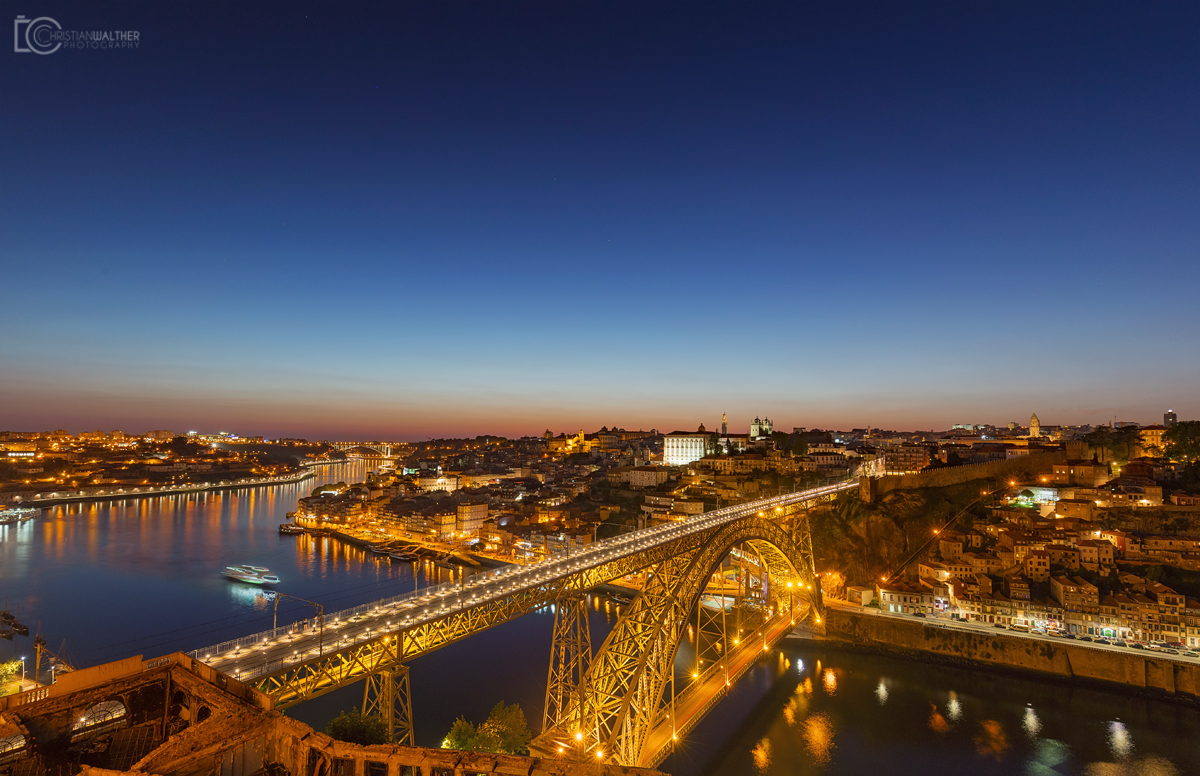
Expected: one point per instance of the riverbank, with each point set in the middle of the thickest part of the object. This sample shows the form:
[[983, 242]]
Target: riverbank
[[120, 494], [1146, 674]]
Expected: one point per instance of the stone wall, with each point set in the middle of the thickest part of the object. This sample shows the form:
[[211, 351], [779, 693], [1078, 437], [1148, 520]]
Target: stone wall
[[1068, 660], [1024, 466]]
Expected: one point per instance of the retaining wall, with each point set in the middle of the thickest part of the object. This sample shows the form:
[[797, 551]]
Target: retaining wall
[[1067, 660]]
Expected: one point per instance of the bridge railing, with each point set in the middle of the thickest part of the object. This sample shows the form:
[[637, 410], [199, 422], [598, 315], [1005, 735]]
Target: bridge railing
[[550, 567]]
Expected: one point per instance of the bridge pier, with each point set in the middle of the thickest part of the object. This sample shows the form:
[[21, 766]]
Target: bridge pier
[[570, 656], [387, 695]]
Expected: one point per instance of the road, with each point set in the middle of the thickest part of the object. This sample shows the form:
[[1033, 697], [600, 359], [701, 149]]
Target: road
[[939, 622], [270, 651], [695, 701]]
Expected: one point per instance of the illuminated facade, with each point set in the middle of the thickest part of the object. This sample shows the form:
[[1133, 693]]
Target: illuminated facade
[[682, 447]]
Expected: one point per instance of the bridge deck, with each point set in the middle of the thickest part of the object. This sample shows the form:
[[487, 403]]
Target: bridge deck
[[358, 641]]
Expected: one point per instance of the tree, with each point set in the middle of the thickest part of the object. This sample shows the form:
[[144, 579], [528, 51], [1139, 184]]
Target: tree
[[1181, 441], [8, 671], [505, 730], [713, 445], [358, 728], [508, 726], [1101, 439], [464, 737]]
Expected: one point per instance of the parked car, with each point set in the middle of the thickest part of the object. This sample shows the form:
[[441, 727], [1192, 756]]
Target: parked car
[[1119, 643], [1068, 635], [998, 625], [1190, 653], [1135, 645], [1085, 638]]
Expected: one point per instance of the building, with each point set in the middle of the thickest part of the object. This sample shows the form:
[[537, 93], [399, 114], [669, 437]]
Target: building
[[471, 514], [761, 429], [907, 457], [1151, 439], [648, 476], [683, 447], [1170, 418], [1081, 472], [1035, 426]]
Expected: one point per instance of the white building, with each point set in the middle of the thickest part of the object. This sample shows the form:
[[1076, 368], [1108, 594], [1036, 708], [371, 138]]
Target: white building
[[682, 447]]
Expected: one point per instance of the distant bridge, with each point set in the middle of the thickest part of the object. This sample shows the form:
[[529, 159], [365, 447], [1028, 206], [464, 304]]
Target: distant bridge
[[383, 448], [611, 707]]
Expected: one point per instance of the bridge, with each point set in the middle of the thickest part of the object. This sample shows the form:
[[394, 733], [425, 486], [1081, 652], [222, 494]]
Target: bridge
[[385, 449], [621, 705]]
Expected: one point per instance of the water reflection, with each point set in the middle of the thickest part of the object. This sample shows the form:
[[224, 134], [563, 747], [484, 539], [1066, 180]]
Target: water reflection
[[762, 754], [1031, 723], [251, 597], [830, 681], [987, 725], [991, 741], [937, 723], [953, 707], [1119, 740], [818, 737]]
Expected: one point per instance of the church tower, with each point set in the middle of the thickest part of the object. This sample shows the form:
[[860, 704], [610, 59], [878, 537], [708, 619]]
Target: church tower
[[1035, 426], [724, 425]]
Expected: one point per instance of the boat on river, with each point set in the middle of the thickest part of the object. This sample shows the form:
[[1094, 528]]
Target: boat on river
[[290, 529], [254, 575], [402, 556], [17, 515]]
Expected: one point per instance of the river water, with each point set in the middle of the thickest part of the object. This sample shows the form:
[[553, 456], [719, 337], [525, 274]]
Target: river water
[[143, 577]]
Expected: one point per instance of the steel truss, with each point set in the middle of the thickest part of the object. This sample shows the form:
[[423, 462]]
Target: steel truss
[[387, 695], [624, 687], [621, 695], [570, 655]]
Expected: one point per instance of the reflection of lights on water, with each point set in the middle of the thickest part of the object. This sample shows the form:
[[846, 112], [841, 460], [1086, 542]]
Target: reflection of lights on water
[[250, 596], [799, 666], [830, 681], [818, 737], [937, 723], [807, 686], [762, 754], [953, 707], [991, 741], [881, 693], [1119, 740], [1031, 723]]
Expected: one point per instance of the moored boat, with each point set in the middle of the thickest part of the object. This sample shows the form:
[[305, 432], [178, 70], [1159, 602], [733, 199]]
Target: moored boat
[[290, 528]]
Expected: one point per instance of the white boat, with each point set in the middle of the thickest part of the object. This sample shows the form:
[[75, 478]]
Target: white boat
[[254, 575], [17, 515]]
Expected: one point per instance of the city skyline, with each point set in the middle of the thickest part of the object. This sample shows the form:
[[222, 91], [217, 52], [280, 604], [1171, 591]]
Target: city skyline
[[494, 219], [735, 425]]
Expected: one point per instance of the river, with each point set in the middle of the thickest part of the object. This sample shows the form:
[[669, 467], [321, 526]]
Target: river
[[143, 577]]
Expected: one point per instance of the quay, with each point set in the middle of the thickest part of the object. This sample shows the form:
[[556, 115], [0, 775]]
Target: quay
[[54, 498]]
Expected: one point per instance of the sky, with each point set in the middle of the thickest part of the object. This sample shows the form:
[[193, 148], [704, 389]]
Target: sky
[[412, 220]]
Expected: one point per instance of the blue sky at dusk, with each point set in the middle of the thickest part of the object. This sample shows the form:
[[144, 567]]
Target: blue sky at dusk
[[410, 220]]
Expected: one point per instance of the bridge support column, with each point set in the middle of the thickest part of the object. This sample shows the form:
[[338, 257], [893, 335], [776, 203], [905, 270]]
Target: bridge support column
[[570, 656], [387, 695]]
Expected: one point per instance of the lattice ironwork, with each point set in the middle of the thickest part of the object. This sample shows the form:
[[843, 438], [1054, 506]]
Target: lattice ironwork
[[387, 695], [620, 699], [624, 688], [570, 655]]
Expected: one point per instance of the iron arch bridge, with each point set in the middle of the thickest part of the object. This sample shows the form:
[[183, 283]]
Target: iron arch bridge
[[620, 705]]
